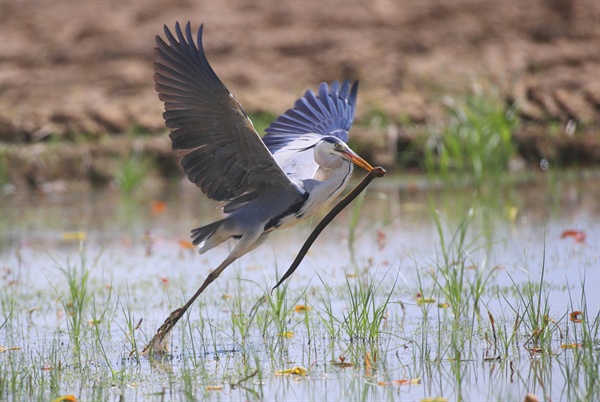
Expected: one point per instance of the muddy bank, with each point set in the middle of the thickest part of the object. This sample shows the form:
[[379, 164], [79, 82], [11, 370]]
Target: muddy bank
[[79, 74]]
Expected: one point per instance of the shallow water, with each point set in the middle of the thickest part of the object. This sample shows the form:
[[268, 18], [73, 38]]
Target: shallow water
[[141, 266]]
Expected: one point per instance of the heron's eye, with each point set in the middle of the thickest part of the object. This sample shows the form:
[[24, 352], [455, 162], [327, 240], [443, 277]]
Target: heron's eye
[[337, 146]]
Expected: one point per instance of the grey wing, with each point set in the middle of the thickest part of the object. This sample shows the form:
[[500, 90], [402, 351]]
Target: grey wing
[[223, 153], [329, 112]]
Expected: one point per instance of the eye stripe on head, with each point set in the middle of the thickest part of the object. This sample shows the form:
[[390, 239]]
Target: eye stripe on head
[[330, 139]]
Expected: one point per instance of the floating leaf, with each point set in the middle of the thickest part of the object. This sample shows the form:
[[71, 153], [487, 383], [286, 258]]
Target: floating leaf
[[381, 239], [158, 207], [443, 305], [214, 388], [436, 399], [578, 235], [292, 371], [576, 316], [301, 308], [342, 363], [3, 349], [65, 398], [412, 381], [74, 236], [288, 334], [403, 381], [531, 398], [425, 300], [188, 245], [570, 346]]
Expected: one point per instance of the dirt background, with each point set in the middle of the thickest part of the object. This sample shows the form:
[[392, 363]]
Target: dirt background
[[75, 76]]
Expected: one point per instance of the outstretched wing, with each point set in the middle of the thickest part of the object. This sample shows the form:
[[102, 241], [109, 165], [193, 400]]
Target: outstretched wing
[[223, 153], [328, 113]]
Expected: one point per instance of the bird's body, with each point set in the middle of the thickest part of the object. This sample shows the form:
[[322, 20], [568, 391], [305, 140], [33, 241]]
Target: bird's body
[[299, 167], [259, 210]]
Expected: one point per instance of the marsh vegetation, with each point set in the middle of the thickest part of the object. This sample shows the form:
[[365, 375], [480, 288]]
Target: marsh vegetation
[[458, 294]]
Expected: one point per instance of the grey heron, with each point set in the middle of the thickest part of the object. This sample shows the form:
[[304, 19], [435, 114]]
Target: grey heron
[[300, 166]]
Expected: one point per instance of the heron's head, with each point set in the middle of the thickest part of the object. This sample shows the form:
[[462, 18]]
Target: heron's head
[[331, 152]]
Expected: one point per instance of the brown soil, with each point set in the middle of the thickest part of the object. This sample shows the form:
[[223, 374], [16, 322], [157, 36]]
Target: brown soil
[[69, 68]]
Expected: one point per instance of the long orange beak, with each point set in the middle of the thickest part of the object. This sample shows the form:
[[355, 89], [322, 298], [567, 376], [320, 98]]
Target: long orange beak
[[357, 160]]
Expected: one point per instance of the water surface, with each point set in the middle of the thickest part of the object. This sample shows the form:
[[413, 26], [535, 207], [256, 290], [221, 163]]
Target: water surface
[[137, 251]]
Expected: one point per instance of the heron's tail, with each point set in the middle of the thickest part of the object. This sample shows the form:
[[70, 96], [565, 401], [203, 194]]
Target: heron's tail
[[208, 236]]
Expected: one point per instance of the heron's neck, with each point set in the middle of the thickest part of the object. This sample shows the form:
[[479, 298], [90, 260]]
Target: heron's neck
[[323, 192]]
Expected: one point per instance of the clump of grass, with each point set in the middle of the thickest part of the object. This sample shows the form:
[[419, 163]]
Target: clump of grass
[[367, 304], [100, 314], [459, 277], [9, 303], [461, 289], [477, 140], [502, 335], [376, 117], [366, 312], [138, 130], [584, 369], [76, 300], [4, 175], [133, 172], [277, 309], [262, 120], [533, 309], [241, 319], [130, 326]]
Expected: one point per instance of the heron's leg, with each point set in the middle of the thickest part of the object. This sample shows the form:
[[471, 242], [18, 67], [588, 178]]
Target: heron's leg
[[249, 241], [261, 239]]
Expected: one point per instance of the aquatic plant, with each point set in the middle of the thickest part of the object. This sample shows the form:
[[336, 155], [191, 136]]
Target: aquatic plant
[[476, 142], [132, 172]]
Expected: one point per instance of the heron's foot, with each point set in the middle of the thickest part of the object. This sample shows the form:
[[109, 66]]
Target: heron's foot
[[159, 344]]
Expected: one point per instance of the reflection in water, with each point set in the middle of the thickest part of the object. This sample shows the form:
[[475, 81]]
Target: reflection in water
[[141, 266]]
